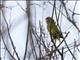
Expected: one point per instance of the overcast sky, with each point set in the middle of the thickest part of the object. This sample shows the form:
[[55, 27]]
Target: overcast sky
[[19, 26]]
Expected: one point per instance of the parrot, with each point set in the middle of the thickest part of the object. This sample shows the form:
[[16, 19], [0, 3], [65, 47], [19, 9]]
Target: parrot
[[53, 28]]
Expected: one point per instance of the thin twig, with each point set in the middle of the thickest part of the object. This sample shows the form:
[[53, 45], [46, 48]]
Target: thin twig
[[10, 36], [6, 46], [28, 14]]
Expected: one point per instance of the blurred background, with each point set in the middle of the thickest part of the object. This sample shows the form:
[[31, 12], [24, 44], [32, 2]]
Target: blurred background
[[24, 35]]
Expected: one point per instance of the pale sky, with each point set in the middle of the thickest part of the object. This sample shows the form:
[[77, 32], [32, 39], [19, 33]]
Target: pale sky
[[18, 22]]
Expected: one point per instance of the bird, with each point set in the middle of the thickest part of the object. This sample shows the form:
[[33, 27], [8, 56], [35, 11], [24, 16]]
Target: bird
[[53, 29]]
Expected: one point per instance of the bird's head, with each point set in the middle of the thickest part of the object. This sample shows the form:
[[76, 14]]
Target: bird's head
[[49, 19]]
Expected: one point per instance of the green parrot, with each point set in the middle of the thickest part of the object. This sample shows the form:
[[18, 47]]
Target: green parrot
[[53, 29]]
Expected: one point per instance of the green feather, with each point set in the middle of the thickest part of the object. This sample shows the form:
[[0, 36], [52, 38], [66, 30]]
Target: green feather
[[53, 29]]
